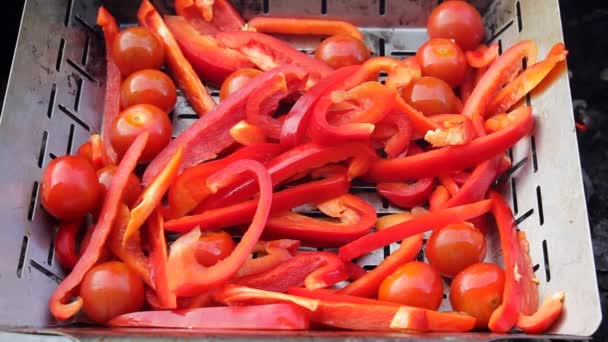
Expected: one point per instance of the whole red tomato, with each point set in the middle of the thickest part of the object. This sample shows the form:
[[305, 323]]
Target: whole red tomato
[[111, 289], [136, 48], [148, 86], [213, 247], [477, 290], [236, 81], [431, 95], [444, 59], [342, 50], [70, 188], [455, 247], [414, 284], [456, 20]]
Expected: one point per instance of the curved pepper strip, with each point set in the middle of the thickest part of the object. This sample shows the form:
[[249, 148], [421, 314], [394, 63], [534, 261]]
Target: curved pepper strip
[[454, 129], [299, 159], [454, 158], [483, 56], [450, 184], [546, 315], [189, 189], [111, 107], [468, 83], [277, 252], [398, 143], [314, 270], [295, 125], [210, 135], [407, 195], [356, 219], [373, 102], [526, 81], [130, 251], [404, 73], [417, 225], [153, 195], [220, 15], [65, 244], [521, 292], [209, 59], [100, 155], [255, 317], [268, 52], [308, 26], [187, 277], [179, 67], [109, 210], [263, 102], [242, 212], [158, 261], [476, 186], [438, 198], [368, 285], [246, 134], [501, 71]]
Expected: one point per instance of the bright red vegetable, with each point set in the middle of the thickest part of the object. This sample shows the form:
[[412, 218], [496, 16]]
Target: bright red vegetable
[[414, 284], [148, 86], [158, 261], [342, 50], [65, 244], [546, 315], [210, 17], [236, 81], [453, 248], [457, 20], [275, 253], [442, 58], [483, 56], [407, 195], [136, 48], [308, 26]]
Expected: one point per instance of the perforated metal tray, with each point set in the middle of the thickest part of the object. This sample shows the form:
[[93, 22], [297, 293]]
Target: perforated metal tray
[[54, 102]]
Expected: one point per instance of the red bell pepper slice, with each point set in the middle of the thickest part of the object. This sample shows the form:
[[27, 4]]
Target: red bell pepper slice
[[527, 80], [502, 70], [331, 296], [438, 197], [210, 135], [373, 102], [189, 189], [241, 213], [449, 184], [153, 195], [454, 158], [130, 251], [454, 129], [520, 292], [277, 252], [187, 277], [407, 195], [210, 60], [263, 102], [314, 270], [158, 261], [404, 73], [246, 134], [100, 155], [546, 315], [295, 125], [219, 15], [354, 271], [345, 315], [356, 218], [397, 142], [264, 317], [483, 56], [368, 285], [267, 52], [476, 186], [111, 107], [307, 26], [109, 210], [65, 244], [417, 225], [295, 161], [468, 83], [179, 67]]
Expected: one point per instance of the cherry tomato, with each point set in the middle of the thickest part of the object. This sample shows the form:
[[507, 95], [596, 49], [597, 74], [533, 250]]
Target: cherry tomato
[[213, 247], [138, 119], [86, 239], [65, 244], [148, 86], [431, 95], [69, 188], [459, 21], [236, 81], [132, 190], [342, 50], [443, 59], [477, 290], [136, 48], [455, 247], [111, 289], [414, 284]]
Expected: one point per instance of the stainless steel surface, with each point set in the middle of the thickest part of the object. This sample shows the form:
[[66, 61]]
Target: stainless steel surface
[[55, 100]]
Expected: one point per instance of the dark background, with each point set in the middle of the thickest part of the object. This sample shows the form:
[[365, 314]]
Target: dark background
[[586, 33]]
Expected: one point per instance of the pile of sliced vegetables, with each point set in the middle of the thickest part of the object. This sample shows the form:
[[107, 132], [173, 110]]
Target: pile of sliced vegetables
[[293, 129]]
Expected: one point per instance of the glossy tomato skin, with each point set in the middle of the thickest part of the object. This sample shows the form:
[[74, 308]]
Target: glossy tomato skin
[[456, 20], [132, 190], [111, 289], [342, 50], [414, 284], [138, 119], [136, 48], [69, 188], [442, 58], [455, 247], [148, 86], [431, 95], [478, 290], [213, 247], [236, 81]]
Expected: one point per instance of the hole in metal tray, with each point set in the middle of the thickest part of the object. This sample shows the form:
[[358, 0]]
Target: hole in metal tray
[[369, 267], [79, 84], [81, 71], [382, 7], [381, 47], [68, 149], [74, 117], [500, 46], [501, 31], [24, 244], [324, 7], [514, 195], [546, 259], [68, 13], [88, 26], [85, 50], [52, 156], [518, 14], [523, 217], [50, 255], [539, 202], [45, 136], [403, 53], [46, 272], [49, 111], [60, 55], [265, 6], [187, 116], [533, 148], [33, 198]]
